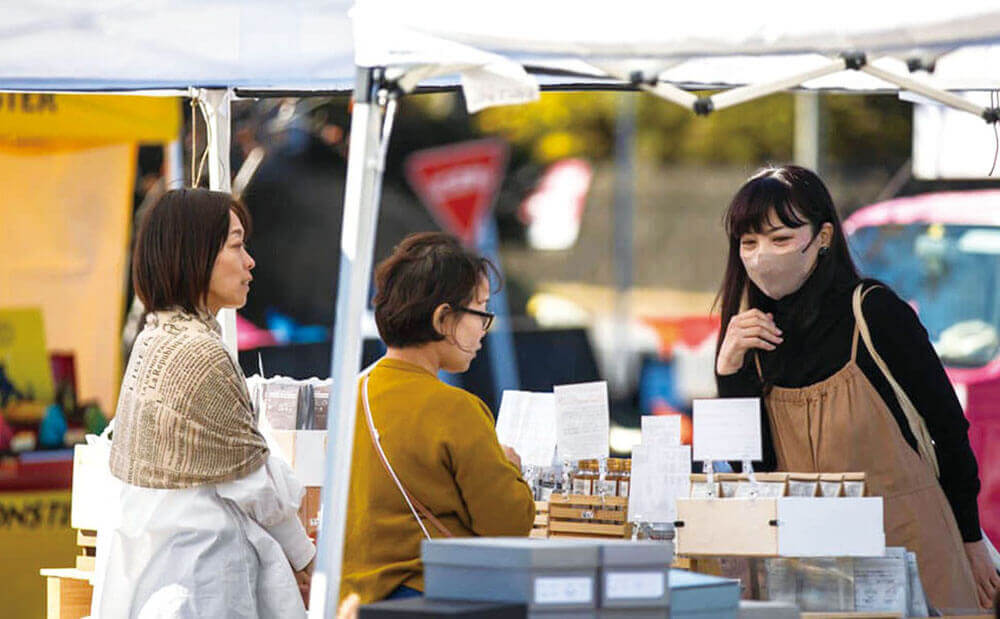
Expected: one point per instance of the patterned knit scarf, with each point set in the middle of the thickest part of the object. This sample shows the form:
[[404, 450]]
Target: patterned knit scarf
[[184, 416]]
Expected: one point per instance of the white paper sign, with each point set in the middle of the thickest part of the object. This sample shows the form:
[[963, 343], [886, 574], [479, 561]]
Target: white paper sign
[[582, 420], [634, 585], [567, 590], [661, 430], [659, 476], [880, 583], [727, 429], [527, 422]]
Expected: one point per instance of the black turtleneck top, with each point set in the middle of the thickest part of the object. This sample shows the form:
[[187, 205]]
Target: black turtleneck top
[[810, 355]]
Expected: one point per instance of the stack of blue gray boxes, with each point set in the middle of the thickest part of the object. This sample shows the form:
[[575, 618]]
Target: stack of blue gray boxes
[[575, 578]]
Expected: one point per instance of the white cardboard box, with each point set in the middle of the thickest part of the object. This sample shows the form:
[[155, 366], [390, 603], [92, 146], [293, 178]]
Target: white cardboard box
[[303, 450], [781, 527], [94, 489]]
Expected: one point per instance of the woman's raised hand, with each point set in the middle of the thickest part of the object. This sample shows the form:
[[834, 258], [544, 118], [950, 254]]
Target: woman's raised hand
[[750, 329]]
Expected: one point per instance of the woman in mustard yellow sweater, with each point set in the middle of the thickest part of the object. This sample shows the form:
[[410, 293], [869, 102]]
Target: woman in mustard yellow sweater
[[438, 441]]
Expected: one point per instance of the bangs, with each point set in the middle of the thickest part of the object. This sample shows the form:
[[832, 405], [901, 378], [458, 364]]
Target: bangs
[[750, 207]]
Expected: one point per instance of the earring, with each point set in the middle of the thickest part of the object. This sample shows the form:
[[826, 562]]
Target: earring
[[823, 250]]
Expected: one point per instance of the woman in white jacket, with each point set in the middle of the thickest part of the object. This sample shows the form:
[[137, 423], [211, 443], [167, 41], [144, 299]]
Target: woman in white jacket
[[207, 523]]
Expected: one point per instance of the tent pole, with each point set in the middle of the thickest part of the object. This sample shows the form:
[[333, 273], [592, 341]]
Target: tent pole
[[215, 107], [356, 249], [937, 94], [743, 94], [671, 93], [808, 130], [624, 366], [173, 168]]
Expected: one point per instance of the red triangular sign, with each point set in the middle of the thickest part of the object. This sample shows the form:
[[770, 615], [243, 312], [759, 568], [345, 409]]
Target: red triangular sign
[[458, 183]]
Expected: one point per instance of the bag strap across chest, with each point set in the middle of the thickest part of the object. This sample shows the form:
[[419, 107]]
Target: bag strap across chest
[[918, 427]]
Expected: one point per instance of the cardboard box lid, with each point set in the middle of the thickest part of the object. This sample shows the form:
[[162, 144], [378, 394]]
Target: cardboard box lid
[[639, 554], [691, 591], [511, 552]]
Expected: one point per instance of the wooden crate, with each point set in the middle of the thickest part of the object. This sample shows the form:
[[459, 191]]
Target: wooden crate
[[579, 515], [68, 593], [540, 528]]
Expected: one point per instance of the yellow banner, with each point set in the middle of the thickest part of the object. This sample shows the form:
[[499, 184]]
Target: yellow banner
[[34, 534], [64, 233], [88, 118]]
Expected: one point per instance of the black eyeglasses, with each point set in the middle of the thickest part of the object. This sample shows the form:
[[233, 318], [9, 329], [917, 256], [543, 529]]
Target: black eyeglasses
[[486, 316]]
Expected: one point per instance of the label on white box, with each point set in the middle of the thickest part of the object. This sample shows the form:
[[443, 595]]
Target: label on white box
[[565, 590], [634, 585]]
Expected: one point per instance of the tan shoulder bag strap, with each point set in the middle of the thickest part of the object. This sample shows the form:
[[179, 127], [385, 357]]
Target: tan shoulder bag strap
[[411, 501], [918, 427]]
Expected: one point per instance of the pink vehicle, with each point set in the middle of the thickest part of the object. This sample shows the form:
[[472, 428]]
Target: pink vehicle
[[941, 252]]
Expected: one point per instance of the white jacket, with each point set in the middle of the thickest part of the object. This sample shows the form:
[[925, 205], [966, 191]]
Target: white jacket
[[222, 550]]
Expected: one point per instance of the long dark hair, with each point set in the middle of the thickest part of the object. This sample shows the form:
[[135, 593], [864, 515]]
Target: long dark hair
[[798, 197]]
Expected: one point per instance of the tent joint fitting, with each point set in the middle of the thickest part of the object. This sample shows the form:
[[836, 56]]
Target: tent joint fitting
[[918, 64], [638, 78], [854, 60], [703, 106], [991, 115]]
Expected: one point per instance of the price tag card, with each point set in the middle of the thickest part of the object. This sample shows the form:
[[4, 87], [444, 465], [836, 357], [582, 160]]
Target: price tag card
[[582, 420], [727, 429], [527, 422], [880, 583], [659, 476], [661, 430]]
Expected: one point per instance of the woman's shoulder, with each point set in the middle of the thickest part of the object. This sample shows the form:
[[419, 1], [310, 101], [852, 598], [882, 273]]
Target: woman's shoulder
[[880, 297], [887, 312], [181, 341], [457, 402]]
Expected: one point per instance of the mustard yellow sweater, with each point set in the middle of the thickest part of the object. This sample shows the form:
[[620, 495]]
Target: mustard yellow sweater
[[442, 444]]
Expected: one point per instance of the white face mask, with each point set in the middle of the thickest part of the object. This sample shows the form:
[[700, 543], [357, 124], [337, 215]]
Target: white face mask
[[780, 272]]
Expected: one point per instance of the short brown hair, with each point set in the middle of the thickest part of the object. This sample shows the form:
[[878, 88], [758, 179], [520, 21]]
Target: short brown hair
[[425, 270], [175, 248]]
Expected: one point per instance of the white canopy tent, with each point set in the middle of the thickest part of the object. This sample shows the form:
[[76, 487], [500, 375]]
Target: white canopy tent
[[498, 53], [663, 49]]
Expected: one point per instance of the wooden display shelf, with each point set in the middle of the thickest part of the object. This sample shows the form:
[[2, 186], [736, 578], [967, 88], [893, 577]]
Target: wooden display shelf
[[579, 515], [540, 528], [87, 541]]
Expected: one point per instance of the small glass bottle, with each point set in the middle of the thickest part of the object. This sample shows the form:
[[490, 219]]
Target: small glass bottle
[[624, 477], [584, 477], [546, 484], [609, 487]]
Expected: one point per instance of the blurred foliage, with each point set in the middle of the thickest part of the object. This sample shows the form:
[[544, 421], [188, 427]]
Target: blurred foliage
[[859, 129], [869, 130]]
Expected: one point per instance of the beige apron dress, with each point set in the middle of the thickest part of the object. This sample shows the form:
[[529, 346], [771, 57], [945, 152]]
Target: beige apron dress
[[841, 424]]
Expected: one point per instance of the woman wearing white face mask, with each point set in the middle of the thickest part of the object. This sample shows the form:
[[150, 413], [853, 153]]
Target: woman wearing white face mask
[[848, 378]]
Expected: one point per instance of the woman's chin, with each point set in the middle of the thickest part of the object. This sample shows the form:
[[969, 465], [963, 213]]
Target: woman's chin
[[458, 368]]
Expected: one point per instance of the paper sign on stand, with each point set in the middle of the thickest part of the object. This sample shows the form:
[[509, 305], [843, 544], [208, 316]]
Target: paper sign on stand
[[881, 583], [527, 422], [661, 430], [727, 429], [660, 474], [582, 420]]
